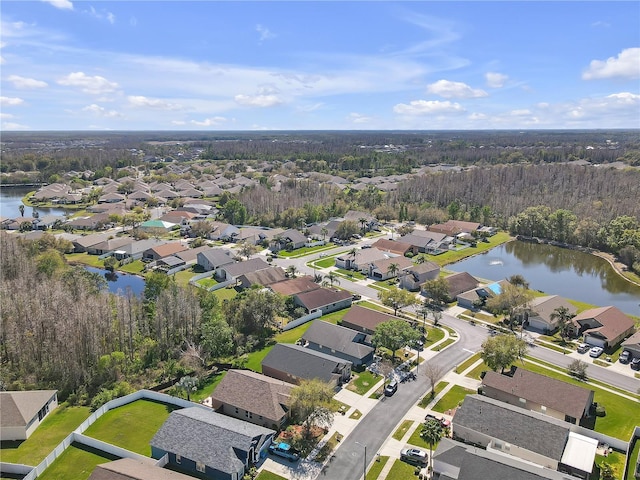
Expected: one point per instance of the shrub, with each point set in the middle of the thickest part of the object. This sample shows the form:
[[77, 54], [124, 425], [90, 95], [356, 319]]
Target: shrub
[[600, 411]]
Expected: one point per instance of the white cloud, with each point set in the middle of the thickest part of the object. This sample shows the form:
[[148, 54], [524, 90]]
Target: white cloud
[[625, 65], [61, 4], [24, 82], [495, 80], [260, 101], [210, 122], [101, 111], [146, 102], [358, 118], [14, 126], [11, 101], [178, 122], [477, 116], [101, 15], [95, 85], [449, 89], [427, 107], [264, 32]]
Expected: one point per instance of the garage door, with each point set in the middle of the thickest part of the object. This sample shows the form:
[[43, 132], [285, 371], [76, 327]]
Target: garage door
[[596, 342]]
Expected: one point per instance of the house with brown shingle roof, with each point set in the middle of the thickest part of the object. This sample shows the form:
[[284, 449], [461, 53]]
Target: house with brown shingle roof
[[264, 277], [415, 276], [135, 469], [22, 411], [397, 247], [294, 286], [361, 259], [540, 313], [326, 300], [539, 393], [380, 269], [454, 227], [253, 397], [604, 327], [364, 319], [160, 251], [459, 283]]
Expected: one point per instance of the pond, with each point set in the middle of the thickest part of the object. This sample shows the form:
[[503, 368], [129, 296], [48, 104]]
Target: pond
[[11, 199], [118, 282], [556, 271]]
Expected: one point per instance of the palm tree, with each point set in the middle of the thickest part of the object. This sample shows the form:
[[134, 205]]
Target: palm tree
[[332, 277], [324, 233], [291, 271], [563, 316], [188, 384], [21, 208], [392, 269], [363, 222], [432, 432]]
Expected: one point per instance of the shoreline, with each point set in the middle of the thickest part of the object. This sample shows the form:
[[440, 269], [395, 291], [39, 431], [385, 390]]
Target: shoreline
[[617, 266]]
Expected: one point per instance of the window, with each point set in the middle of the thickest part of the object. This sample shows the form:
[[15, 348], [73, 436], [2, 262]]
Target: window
[[522, 400], [248, 414], [543, 408], [178, 459], [237, 411], [200, 467]]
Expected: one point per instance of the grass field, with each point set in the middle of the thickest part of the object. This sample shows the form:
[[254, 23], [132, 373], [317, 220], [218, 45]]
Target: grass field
[[50, 433], [467, 363], [363, 382], [454, 256], [134, 267], [76, 463], [402, 429], [633, 458], [427, 398], [115, 426], [205, 390], [85, 259], [452, 398], [376, 468], [207, 282], [401, 471], [267, 475], [444, 344]]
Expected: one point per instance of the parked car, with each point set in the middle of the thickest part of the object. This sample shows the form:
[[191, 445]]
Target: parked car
[[443, 421], [625, 357], [391, 388], [583, 348], [595, 352], [366, 245], [414, 456], [635, 363], [284, 450], [356, 296]]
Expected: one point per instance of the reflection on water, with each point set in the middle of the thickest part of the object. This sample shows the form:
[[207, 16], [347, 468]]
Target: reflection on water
[[119, 282], [553, 270], [11, 199]]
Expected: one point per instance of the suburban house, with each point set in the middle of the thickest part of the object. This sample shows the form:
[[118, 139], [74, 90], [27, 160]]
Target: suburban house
[[529, 436], [157, 226], [539, 393], [264, 277], [603, 327], [363, 219], [419, 244], [338, 341], [214, 258], [454, 227], [633, 344], [392, 246], [360, 259], [293, 363], [325, 300], [477, 297], [253, 397], [382, 270], [540, 311], [439, 241], [98, 221], [160, 251], [134, 469], [109, 245], [223, 231], [83, 243], [209, 444], [136, 249], [415, 276], [292, 238], [23, 411], [364, 319], [293, 286], [232, 271], [459, 283]]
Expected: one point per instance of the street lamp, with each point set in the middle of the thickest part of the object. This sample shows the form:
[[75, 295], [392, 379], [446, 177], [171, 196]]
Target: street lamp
[[364, 466]]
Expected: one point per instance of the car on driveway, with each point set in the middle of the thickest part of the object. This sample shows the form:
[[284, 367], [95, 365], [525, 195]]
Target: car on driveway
[[583, 348], [284, 450], [414, 456], [625, 357], [595, 352], [443, 421], [391, 388], [635, 363]]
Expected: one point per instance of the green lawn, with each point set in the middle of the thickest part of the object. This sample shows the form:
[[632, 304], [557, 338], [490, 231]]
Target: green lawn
[[254, 359], [60, 423], [267, 475], [225, 293], [207, 282], [183, 277], [301, 252], [350, 274], [615, 459], [452, 398], [444, 344], [76, 463], [434, 334], [115, 426], [324, 263], [402, 429], [85, 259], [633, 457], [453, 256], [356, 415], [134, 267], [467, 363], [427, 398], [363, 382], [374, 472], [401, 471], [209, 386]]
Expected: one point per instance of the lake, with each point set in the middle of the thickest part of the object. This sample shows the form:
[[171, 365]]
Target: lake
[[119, 282], [556, 271], [11, 199]]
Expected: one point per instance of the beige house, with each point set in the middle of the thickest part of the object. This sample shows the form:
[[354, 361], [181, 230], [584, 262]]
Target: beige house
[[22, 412], [604, 327]]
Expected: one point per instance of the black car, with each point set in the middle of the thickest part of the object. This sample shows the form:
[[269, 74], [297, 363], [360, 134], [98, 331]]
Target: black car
[[625, 357], [635, 363]]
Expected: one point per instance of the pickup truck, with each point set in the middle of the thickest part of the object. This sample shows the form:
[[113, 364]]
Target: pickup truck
[[284, 450]]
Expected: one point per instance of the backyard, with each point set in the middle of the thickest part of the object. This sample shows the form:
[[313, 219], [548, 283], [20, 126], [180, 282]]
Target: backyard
[[76, 463]]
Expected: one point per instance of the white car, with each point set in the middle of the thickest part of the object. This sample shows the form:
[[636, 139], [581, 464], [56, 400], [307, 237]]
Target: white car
[[595, 352], [414, 456]]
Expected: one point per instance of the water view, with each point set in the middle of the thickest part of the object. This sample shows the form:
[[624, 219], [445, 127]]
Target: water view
[[119, 282], [11, 199], [556, 271]]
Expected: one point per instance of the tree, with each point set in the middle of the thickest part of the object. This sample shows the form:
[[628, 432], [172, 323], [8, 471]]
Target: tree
[[394, 334], [310, 404], [292, 270], [501, 351], [217, 338], [433, 372], [201, 228], [578, 369], [393, 269], [363, 222], [21, 208], [437, 290], [518, 280], [324, 233], [563, 316], [234, 212], [512, 301], [332, 277], [255, 312], [432, 432], [188, 385], [247, 249], [397, 299], [346, 230], [110, 263]]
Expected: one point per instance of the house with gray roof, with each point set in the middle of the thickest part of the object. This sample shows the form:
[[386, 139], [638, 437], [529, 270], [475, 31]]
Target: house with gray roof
[[234, 270], [539, 315], [477, 297], [361, 259], [136, 249], [325, 300], [294, 238], [264, 277], [365, 319], [213, 446], [339, 341], [524, 434], [22, 411], [253, 397], [294, 363], [84, 242], [415, 276], [214, 258]]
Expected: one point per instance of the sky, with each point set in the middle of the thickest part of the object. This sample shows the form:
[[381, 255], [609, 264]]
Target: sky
[[329, 65]]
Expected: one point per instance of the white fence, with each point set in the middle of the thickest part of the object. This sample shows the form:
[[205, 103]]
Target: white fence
[[193, 280], [301, 320], [78, 437]]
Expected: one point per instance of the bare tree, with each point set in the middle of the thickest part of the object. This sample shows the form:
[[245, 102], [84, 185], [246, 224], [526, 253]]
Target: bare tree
[[433, 372]]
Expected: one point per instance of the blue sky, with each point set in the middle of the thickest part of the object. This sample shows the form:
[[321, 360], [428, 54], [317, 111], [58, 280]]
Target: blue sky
[[332, 65]]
